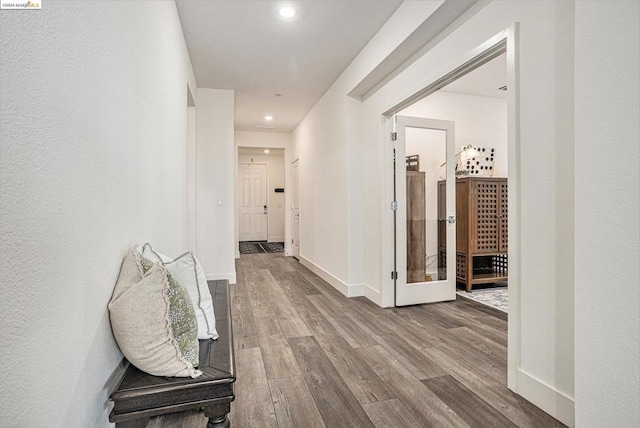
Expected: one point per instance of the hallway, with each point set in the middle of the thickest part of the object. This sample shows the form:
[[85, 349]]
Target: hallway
[[308, 357]]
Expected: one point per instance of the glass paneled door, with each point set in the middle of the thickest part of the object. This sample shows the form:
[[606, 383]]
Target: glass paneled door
[[425, 226]]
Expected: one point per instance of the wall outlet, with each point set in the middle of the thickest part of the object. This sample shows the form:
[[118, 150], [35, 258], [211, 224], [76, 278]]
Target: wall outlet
[[221, 201]]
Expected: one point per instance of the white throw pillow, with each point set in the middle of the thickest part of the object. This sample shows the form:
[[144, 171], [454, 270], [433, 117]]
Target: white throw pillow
[[153, 320], [187, 271]]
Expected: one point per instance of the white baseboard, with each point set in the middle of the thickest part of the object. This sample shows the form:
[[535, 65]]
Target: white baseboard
[[349, 290], [275, 239], [372, 294], [552, 401], [231, 277], [237, 254]]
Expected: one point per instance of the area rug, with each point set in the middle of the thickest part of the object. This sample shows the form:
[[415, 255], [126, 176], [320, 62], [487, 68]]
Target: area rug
[[261, 247], [497, 298]]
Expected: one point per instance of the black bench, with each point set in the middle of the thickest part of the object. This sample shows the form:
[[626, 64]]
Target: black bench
[[141, 395]]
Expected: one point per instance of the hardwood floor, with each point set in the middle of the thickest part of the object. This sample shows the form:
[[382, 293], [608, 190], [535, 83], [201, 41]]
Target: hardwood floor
[[306, 356]]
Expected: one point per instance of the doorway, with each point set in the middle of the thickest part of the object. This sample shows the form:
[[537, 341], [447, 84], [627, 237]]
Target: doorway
[[260, 195], [477, 103], [474, 96], [501, 44]]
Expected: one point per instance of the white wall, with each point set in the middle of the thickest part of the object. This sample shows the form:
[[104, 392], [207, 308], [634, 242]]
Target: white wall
[[332, 164], [606, 211], [275, 201], [92, 158], [191, 206], [269, 140], [215, 183]]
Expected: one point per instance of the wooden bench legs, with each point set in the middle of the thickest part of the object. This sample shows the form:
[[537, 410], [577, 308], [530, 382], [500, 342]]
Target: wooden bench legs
[[218, 415]]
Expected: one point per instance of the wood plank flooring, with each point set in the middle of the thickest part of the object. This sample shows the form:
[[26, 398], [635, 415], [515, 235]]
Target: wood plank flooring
[[306, 356]]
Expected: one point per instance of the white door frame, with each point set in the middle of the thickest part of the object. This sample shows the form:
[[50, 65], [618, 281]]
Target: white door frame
[[295, 210], [287, 194], [505, 41], [438, 290]]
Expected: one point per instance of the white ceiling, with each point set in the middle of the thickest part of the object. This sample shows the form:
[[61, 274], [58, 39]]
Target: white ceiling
[[246, 46], [483, 81]]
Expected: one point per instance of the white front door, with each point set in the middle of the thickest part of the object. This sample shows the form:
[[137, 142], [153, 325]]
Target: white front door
[[253, 202], [414, 284], [295, 210]]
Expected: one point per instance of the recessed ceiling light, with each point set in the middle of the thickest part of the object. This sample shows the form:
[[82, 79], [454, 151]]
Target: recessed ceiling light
[[266, 150], [268, 118], [287, 12]]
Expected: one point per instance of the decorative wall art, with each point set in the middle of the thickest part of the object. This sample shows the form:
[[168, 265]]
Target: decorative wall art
[[481, 165]]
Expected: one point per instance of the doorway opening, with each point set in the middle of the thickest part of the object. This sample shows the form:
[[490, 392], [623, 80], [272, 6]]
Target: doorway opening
[[473, 97], [476, 103], [261, 200], [501, 44]]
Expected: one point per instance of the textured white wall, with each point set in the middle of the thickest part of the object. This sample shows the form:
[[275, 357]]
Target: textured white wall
[[215, 177], [607, 231], [92, 158], [191, 180]]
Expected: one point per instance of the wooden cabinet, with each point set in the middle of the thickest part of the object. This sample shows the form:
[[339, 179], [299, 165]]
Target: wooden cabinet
[[481, 230], [416, 233]]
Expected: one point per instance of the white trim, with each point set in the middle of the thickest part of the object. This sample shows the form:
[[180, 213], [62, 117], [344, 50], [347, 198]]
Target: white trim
[[372, 294], [514, 343], [275, 239], [237, 254], [387, 285], [349, 290], [549, 399], [398, 103], [231, 277]]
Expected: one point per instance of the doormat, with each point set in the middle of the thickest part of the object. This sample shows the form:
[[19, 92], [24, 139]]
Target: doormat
[[261, 247], [497, 298]]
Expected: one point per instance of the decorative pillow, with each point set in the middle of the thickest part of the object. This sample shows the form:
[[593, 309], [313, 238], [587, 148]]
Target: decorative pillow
[[187, 271], [153, 319]]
